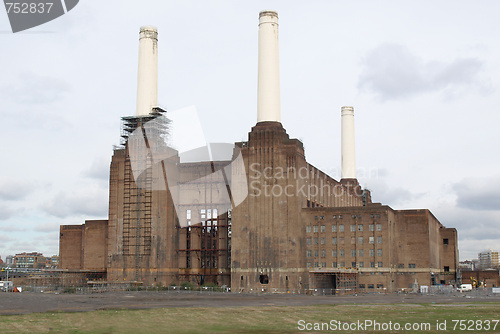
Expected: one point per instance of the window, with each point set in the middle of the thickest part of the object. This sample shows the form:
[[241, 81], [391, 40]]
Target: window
[[371, 227], [360, 228], [372, 264], [371, 240], [323, 254], [401, 265], [372, 216], [361, 286], [308, 229], [334, 264], [341, 227], [380, 264], [341, 240], [309, 241], [308, 264], [316, 241], [353, 252], [361, 252], [315, 228], [353, 216], [341, 216], [380, 286], [323, 228], [308, 253], [360, 240], [446, 269], [323, 264], [445, 241], [202, 213], [334, 216], [378, 215], [188, 214], [334, 253], [334, 240], [379, 227], [323, 241], [361, 264], [264, 279], [353, 240], [334, 228], [411, 265], [342, 264], [353, 264], [379, 252], [353, 228], [316, 253], [379, 240], [316, 264], [372, 252], [341, 252], [370, 286]]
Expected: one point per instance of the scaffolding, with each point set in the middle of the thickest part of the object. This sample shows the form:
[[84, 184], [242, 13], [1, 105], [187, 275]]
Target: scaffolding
[[205, 257], [334, 281], [138, 189]]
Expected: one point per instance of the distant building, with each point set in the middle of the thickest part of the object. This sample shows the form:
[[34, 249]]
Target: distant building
[[32, 260], [52, 262], [467, 265], [1, 262], [488, 259], [9, 260]]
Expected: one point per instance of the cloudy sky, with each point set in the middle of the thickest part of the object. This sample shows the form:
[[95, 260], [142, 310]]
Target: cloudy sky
[[424, 78]]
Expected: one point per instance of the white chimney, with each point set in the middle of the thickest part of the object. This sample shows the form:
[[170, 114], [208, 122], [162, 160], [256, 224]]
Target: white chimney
[[268, 86], [147, 76], [348, 147]]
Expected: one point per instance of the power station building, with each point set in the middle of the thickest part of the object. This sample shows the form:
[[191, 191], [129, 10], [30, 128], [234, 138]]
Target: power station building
[[254, 216]]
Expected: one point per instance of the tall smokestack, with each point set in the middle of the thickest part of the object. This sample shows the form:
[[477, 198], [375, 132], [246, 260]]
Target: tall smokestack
[[268, 87], [147, 76], [348, 147]]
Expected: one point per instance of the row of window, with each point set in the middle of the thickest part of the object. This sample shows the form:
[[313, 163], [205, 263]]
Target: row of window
[[340, 228], [371, 286], [341, 252], [360, 264], [204, 213], [341, 240], [377, 215]]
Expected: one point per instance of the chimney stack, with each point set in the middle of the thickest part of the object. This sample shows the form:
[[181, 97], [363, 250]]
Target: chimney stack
[[348, 147], [147, 76], [268, 86]]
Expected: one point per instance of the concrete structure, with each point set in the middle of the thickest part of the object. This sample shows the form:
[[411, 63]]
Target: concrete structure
[[488, 259], [348, 144], [268, 85], [147, 74], [298, 229]]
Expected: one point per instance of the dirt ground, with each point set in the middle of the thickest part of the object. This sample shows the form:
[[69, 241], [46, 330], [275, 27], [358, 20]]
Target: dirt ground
[[29, 302]]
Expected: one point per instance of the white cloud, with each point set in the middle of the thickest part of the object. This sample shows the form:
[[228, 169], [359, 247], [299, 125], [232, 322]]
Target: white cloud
[[393, 72], [12, 190], [90, 201], [478, 193]]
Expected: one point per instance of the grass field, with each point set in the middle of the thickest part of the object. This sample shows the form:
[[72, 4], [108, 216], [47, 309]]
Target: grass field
[[272, 319]]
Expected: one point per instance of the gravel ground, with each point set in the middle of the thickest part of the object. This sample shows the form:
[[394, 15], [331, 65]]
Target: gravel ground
[[29, 302]]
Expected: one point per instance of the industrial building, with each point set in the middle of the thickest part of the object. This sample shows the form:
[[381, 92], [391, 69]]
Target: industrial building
[[262, 219]]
